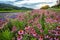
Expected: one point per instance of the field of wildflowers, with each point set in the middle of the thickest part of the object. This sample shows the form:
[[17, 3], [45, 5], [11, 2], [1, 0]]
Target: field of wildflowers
[[31, 25]]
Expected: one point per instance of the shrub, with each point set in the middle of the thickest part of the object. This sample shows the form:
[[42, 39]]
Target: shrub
[[45, 7]]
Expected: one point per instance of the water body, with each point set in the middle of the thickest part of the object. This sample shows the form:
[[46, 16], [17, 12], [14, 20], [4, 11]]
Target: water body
[[9, 14], [3, 15]]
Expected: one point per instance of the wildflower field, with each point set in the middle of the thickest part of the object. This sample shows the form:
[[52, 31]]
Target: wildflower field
[[31, 25]]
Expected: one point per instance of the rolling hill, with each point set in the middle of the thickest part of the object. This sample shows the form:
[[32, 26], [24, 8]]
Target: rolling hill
[[9, 7]]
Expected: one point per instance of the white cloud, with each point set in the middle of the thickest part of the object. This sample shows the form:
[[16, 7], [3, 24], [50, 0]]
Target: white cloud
[[29, 2], [33, 1]]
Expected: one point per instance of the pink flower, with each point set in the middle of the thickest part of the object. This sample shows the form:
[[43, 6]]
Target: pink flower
[[20, 32], [50, 20], [34, 34], [20, 17], [19, 37], [40, 37], [41, 30], [30, 21], [51, 39], [39, 26], [58, 27], [57, 39], [47, 13], [46, 36], [32, 31], [14, 28], [27, 28]]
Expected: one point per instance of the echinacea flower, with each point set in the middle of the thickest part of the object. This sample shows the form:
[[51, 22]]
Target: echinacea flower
[[46, 36], [58, 27], [40, 37], [14, 28], [34, 34], [19, 37], [51, 39], [30, 21], [41, 31], [50, 20], [27, 28], [20, 32], [39, 26], [20, 16], [57, 39]]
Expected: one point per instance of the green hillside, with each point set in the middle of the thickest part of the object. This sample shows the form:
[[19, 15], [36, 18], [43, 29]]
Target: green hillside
[[55, 8], [10, 8]]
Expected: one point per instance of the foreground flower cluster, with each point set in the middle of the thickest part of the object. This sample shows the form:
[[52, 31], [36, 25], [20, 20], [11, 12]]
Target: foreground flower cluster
[[32, 25]]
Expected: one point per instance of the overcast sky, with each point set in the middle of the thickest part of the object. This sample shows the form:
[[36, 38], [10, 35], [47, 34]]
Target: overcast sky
[[36, 4]]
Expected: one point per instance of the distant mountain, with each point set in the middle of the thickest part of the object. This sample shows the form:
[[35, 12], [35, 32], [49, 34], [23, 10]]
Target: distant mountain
[[4, 6]]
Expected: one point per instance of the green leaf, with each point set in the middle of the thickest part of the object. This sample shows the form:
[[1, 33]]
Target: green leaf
[[37, 30], [33, 39], [7, 35], [25, 37], [46, 30], [42, 21]]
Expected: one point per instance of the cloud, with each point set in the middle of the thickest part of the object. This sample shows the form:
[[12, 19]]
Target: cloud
[[36, 4]]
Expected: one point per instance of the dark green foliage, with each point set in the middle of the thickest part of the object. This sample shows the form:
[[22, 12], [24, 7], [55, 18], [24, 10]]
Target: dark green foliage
[[6, 35], [22, 25], [42, 21], [28, 37], [46, 30], [19, 24], [10, 25], [56, 6], [37, 30], [45, 7]]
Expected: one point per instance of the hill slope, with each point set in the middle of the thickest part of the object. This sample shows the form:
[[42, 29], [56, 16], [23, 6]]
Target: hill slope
[[4, 6]]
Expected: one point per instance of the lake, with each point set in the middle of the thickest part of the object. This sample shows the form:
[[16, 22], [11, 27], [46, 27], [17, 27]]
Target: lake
[[2, 15]]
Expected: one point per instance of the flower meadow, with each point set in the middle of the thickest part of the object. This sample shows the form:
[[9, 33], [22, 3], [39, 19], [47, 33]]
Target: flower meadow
[[31, 25]]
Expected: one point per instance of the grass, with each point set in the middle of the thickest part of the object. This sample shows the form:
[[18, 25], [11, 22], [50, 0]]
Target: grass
[[14, 11], [55, 9]]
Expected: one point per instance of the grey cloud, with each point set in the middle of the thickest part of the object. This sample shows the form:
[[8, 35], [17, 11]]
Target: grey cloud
[[33, 4], [30, 4]]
